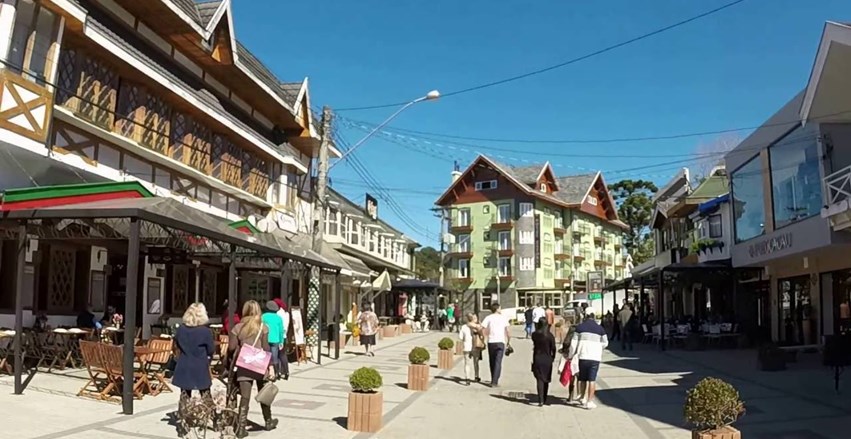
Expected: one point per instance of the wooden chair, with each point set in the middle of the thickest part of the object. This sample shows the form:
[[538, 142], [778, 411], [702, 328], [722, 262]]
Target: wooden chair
[[113, 357], [6, 345], [157, 364], [98, 386], [217, 365]]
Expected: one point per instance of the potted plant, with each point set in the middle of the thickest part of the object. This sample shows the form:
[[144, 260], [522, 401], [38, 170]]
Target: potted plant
[[418, 369], [771, 358], [366, 402], [444, 355], [711, 407]]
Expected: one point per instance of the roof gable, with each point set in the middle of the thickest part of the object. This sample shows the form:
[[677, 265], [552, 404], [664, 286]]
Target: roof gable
[[452, 192], [598, 201]]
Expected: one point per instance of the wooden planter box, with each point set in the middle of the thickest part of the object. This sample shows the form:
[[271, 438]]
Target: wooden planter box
[[721, 433], [444, 359], [459, 348], [418, 377], [390, 331], [366, 411], [406, 328]]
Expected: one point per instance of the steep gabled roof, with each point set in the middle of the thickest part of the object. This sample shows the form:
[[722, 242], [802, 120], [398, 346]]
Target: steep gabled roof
[[574, 188], [207, 10], [526, 174]]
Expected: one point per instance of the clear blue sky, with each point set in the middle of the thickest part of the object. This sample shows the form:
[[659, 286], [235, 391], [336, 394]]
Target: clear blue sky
[[733, 69]]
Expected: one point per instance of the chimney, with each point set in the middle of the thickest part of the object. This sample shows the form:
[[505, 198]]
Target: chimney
[[456, 172]]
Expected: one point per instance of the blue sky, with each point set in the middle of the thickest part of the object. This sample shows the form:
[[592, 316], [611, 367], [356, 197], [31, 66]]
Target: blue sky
[[732, 69]]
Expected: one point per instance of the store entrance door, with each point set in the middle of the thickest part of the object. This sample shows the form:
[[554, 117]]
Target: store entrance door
[[797, 320]]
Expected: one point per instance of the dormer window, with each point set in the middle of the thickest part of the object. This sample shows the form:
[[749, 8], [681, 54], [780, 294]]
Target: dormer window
[[485, 185], [592, 201], [543, 187]]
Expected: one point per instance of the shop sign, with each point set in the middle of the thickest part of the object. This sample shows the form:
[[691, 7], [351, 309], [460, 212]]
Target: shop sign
[[771, 245], [595, 282], [595, 296]]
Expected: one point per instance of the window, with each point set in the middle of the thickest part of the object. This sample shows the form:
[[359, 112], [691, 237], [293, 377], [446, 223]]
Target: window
[[370, 238], [486, 208], [32, 40], [548, 222], [543, 187], [464, 268], [527, 237], [504, 267], [220, 200], [559, 247], [463, 243], [463, 217], [333, 220], [354, 238], [559, 222], [527, 264], [548, 273], [138, 168], [109, 156], [203, 194], [748, 208], [505, 240], [715, 230], [548, 248], [485, 185], [526, 209], [503, 214], [795, 182], [591, 200]]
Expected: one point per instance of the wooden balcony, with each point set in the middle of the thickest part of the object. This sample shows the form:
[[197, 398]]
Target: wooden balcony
[[460, 254], [461, 229], [599, 239], [579, 257], [506, 225], [509, 278], [505, 252], [562, 256], [559, 230]]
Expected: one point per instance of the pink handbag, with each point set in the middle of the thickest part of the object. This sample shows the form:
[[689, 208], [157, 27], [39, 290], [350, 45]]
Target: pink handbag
[[252, 358]]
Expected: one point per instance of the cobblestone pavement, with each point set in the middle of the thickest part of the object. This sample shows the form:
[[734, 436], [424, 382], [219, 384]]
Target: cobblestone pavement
[[640, 396]]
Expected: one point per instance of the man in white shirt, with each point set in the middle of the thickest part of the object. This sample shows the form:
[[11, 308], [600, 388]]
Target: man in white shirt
[[538, 313], [496, 329]]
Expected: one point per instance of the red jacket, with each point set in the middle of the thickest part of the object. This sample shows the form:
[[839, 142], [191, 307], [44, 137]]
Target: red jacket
[[226, 322]]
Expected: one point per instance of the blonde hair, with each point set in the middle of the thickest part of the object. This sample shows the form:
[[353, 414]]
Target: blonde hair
[[195, 315], [251, 318], [471, 317]]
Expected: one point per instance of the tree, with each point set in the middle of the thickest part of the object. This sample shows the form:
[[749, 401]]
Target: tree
[[427, 264], [635, 208]]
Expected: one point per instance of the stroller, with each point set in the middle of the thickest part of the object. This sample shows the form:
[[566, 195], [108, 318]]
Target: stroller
[[219, 413]]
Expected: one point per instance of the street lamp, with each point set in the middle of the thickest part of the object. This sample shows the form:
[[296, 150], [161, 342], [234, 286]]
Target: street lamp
[[430, 96]]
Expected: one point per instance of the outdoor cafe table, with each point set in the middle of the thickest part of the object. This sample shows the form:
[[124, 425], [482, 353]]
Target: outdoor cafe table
[[67, 345]]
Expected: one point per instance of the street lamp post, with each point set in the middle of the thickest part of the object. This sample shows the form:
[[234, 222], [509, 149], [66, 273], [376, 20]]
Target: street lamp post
[[430, 96]]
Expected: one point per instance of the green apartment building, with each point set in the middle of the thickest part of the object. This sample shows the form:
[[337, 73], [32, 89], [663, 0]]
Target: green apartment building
[[521, 235]]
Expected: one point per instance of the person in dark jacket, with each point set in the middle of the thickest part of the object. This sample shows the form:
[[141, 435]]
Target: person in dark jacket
[[195, 342], [86, 319], [543, 355]]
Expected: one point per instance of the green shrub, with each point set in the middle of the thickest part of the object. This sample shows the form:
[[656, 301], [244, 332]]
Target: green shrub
[[445, 344], [419, 355], [711, 404], [365, 380]]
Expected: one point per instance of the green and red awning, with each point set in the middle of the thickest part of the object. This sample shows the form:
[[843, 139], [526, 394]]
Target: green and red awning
[[50, 196]]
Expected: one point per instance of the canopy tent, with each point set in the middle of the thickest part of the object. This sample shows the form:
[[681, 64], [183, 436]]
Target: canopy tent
[[140, 221]]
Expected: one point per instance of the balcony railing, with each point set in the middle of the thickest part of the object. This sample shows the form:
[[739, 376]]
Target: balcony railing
[[838, 185]]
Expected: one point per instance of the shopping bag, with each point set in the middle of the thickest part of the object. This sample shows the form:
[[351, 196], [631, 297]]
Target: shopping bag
[[252, 358], [566, 376]]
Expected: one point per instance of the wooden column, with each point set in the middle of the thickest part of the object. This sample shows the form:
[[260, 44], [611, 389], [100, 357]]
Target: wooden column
[[19, 308], [338, 293], [130, 315], [662, 308]]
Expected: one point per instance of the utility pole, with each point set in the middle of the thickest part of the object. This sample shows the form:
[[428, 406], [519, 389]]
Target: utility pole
[[314, 292]]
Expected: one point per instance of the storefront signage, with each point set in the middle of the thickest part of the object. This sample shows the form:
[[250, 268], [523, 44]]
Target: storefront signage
[[771, 245], [538, 240], [595, 283], [371, 207]]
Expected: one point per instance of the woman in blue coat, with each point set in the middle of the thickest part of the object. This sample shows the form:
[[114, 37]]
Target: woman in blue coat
[[195, 342]]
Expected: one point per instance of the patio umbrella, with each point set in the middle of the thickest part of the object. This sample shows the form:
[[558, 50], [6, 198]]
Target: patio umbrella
[[382, 282]]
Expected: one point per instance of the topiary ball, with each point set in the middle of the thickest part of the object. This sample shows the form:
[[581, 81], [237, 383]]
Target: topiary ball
[[365, 380], [445, 344], [712, 404], [419, 355]]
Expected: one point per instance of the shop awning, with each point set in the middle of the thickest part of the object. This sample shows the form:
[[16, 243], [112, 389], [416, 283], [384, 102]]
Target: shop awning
[[359, 269]]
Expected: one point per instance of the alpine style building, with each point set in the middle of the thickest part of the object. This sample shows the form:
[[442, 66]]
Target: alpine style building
[[522, 235]]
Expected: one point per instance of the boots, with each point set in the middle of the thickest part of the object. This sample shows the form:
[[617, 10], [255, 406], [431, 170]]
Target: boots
[[271, 423], [242, 420]]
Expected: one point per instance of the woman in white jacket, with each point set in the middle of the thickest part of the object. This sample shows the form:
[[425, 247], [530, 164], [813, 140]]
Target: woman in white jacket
[[472, 336]]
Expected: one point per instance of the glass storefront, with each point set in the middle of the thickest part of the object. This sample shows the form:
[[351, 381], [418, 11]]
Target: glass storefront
[[748, 196], [842, 302], [552, 299], [795, 182], [798, 319]]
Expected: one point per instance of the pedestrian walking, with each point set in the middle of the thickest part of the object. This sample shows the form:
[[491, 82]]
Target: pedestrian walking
[[530, 325], [496, 329], [624, 319], [616, 326], [450, 318], [196, 346], [473, 339], [538, 313], [275, 324], [282, 354], [588, 343], [368, 323], [250, 331], [543, 355], [550, 316]]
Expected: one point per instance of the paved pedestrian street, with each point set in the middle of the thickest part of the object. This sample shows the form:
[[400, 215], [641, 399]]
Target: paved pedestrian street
[[640, 396]]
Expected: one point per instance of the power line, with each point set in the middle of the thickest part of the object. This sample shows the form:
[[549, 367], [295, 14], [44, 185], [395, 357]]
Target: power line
[[565, 63]]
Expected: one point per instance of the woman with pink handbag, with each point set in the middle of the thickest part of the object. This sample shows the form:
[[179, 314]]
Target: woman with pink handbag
[[249, 341]]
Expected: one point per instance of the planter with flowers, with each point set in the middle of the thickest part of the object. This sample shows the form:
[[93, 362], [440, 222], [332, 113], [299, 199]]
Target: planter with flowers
[[418, 369], [711, 407], [366, 402], [444, 354], [117, 320]]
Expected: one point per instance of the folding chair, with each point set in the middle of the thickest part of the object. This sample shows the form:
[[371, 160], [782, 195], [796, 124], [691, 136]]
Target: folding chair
[[98, 385], [159, 361], [648, 334]]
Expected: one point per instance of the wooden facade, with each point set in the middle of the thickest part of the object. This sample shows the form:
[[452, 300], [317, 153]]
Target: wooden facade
[[25, 107]]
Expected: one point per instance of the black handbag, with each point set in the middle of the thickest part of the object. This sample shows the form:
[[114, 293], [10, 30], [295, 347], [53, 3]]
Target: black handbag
[[509, 350]]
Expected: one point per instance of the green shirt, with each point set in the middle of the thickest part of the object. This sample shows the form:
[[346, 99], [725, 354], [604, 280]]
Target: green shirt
[[450, 313], [276, 327]]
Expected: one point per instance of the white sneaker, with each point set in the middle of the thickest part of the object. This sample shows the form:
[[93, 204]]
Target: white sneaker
[[580, 401], [590, 405]]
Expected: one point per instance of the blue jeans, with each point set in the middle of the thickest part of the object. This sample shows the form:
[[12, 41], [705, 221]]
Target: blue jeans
[[528, 328], [495, 354]]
